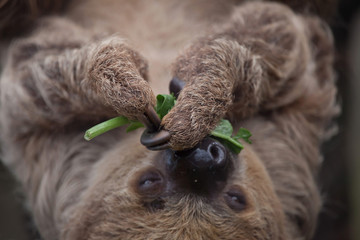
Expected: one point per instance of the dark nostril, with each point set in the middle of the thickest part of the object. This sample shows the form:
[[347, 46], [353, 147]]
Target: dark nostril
[[214, 151], [208, 155], [203, 169], [217, 153]]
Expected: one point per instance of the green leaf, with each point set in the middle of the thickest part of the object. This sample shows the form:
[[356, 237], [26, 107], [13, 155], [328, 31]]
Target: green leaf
[[105, 126], [243, 134], [226, 139], [223, 128], [223, 132], [231, 144], [164, 103], [134, 125]]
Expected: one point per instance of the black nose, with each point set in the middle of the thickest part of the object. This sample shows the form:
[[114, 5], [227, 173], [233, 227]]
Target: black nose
[[203, 169], [209, 155]]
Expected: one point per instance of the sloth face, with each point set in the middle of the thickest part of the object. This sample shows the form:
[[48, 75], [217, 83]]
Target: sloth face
[[204, 193]]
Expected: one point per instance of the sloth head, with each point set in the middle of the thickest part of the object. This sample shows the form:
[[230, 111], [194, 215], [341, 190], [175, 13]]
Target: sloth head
[[203, 193]]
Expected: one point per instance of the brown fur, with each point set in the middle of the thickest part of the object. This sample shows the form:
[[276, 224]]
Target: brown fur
[[259, 64]]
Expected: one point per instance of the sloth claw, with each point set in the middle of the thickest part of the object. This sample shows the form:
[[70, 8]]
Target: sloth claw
[[155, 140], [150, 119], [176, 85]]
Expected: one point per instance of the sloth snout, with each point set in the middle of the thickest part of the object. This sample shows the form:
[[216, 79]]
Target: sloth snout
[[208, 156], [201, 170]]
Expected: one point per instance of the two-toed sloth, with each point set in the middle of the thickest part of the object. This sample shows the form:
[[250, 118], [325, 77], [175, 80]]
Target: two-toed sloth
[[258, 64]]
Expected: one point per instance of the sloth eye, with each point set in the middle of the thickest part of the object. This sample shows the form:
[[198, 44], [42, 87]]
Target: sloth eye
[[150, 183], [235, 199]]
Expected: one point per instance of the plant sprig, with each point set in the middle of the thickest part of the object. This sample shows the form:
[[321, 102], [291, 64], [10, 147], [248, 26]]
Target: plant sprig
[[164, 103], [222, 132], [111, 124]]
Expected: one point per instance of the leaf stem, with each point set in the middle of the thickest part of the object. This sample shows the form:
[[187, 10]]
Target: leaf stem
[[105, 126]]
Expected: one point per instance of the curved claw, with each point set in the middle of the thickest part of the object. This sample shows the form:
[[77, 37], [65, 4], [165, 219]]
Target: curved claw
[[152, 138], [160, 147], [150, 119], [155, 140], [176, 85]]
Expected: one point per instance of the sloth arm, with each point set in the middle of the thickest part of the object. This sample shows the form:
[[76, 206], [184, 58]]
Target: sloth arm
[[56, 82], [271, 70], [264, 60], [62, 73]]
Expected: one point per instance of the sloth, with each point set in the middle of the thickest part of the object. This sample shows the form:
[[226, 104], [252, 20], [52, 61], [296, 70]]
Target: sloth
[[258, 64]]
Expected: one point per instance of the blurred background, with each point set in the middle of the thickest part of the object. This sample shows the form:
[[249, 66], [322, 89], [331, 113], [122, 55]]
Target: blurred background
[[340, 176], [339, 179]]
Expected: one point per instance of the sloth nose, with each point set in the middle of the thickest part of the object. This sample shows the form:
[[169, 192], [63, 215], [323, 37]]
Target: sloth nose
[[209, 155], [203, 169]]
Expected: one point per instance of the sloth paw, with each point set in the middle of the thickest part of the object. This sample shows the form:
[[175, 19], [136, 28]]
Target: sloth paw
[[118, 76]]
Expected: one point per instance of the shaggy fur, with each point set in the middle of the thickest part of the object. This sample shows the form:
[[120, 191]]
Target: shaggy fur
[[259, 64]]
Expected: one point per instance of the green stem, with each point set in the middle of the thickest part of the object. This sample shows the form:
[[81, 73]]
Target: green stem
[[105, 126]]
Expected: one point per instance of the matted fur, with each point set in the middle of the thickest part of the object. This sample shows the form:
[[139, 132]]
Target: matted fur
[[258, 64]]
